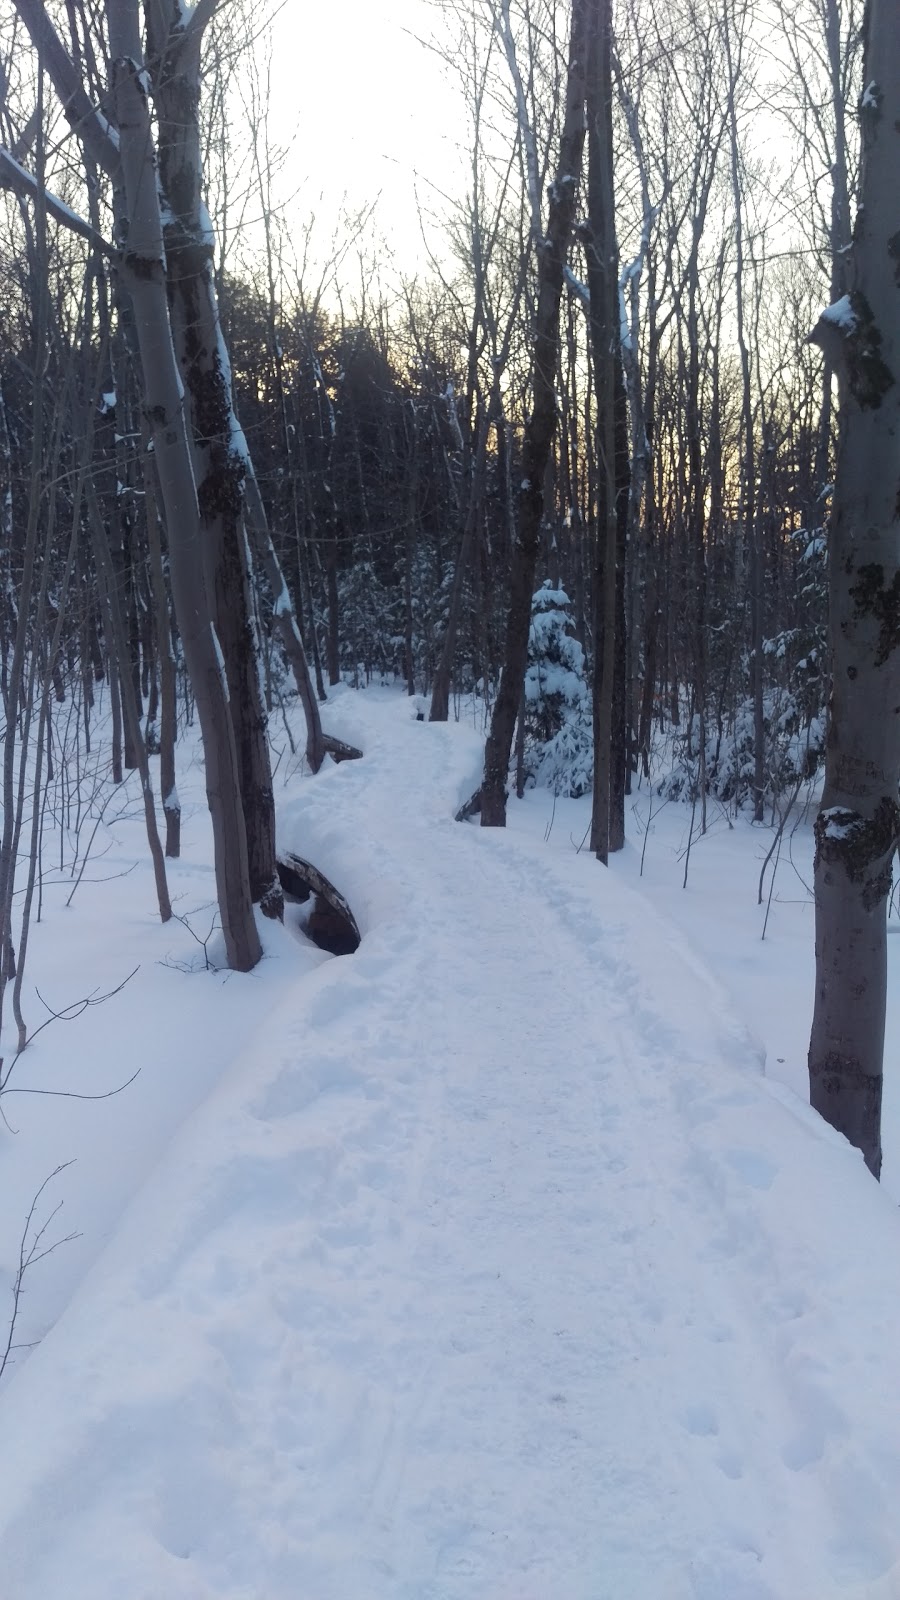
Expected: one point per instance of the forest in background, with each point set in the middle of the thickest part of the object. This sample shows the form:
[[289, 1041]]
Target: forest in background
[[356, 436]]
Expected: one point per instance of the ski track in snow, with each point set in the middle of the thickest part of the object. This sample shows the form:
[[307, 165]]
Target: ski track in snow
[[493, 1269]]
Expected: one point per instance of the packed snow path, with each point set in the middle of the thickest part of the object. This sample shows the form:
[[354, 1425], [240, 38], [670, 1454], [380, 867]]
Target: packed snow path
[[494, 1268]]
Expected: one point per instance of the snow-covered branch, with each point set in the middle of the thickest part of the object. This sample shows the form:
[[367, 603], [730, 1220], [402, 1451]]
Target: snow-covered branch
[[15, 177], [84, 118], [579, 289]]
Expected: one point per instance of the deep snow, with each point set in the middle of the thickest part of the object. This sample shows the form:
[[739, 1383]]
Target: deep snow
[[488, 1262]]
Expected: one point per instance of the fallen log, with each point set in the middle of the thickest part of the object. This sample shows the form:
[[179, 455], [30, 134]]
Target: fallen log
[[338, 750], [331, 924], [471, 808]]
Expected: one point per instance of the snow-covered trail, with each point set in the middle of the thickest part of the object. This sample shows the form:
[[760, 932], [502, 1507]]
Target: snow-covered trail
[[493, 1268]]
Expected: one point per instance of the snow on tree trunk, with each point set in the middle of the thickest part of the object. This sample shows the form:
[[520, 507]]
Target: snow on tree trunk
[[219, 448], [143, 270], [858, 823]]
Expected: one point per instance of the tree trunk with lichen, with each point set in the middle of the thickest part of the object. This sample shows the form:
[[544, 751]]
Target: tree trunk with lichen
[[219, 448], [858, 824]]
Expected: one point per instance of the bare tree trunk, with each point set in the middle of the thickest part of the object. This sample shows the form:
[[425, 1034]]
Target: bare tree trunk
[[409, 541], [858, 823], [285, 612], [219, 448], [285, 621], [734, 43], [604, 331], [620, 774], [115, 703], [333, 626], [143, 269], [443, 673], [539, 429], [16, 725], [167, 673], [7, 603], [130, 703]]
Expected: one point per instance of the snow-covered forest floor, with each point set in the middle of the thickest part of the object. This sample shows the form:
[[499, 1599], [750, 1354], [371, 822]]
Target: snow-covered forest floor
[[501, 1260]]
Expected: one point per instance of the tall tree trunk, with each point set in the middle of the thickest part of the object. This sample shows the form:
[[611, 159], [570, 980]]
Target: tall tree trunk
[[443, 675], [622, 737], [143, 269], [219, 448], [130, 703], [285, 620], [411, 522], [858, 823], [168, 718], [604, 330], [539, 429], [734, 42]]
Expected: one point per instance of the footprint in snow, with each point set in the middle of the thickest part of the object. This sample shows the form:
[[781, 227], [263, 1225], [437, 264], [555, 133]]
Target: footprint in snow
[[730, 1464], [755, 1170], [700, 1419]]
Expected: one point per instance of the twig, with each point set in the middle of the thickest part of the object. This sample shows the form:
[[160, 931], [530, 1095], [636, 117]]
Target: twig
[[687, 853], [210, 966], [549, 828], [29, 1256], [650, 817], [776, 846], [579, 847], [67, 1014], [71, 1094]]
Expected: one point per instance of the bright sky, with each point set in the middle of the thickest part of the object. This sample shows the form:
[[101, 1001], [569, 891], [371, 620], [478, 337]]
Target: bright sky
[[368, 107]]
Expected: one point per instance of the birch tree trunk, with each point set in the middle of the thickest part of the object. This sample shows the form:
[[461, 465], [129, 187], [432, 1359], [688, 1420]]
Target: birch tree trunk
[[219, 448], [143, 269], [858, 823]]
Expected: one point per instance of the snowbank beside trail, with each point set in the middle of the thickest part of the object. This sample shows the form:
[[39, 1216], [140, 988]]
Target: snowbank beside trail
[[491, 1266]]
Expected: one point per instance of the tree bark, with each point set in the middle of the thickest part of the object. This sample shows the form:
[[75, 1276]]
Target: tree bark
[[168, 717], [143, 269], [603, 321], [219, 448], [858, 823]]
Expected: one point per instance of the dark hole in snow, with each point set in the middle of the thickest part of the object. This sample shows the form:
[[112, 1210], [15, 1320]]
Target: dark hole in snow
[[328, 922]]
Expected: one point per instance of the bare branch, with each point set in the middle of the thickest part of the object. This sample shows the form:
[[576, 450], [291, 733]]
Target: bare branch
[[14, 176], [83, 117], [67, 1014], [200, 18], [29, 1254]]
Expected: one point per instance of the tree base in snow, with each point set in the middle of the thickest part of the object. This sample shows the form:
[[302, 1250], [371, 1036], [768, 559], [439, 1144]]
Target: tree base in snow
[[271, 904]]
